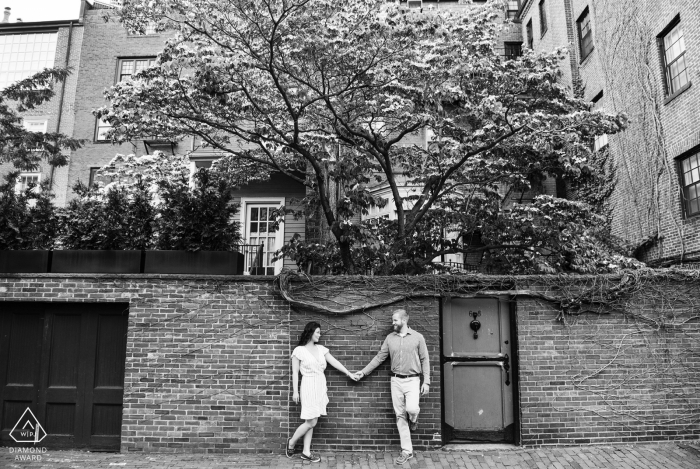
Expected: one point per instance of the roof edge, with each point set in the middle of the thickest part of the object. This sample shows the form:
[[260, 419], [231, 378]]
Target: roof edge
[[13, 27]]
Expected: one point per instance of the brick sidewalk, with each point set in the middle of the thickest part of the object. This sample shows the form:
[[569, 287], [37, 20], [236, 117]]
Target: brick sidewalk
[[658, 456]]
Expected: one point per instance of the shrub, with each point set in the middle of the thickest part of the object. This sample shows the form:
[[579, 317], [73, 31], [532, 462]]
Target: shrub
[[115, 218], [198, 218], [29, 219]]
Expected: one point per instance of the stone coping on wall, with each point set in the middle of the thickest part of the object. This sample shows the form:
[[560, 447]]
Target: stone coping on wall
[[650, 272], [233, 278]]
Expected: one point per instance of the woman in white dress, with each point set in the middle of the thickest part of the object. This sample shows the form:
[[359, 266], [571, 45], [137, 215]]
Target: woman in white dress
[[310, 358]]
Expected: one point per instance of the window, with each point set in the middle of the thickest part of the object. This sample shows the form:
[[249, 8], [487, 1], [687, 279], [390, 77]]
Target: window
[[512, 8], [585, 34], [690, 175], [673, 48], [375, 220], [35, 125], [23, 55], [129, 67], [202, 164], [93, 174], [543, 18], [529, 34], [512, 50], [25, 180], [600, 141], [101, 132], [150, 30], [597, 97]]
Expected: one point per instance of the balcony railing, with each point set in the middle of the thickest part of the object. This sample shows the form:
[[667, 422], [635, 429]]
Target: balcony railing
[[254, 260], [475, 268]]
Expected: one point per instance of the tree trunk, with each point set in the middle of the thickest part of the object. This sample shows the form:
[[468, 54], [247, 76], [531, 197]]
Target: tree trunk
[[346, 257]]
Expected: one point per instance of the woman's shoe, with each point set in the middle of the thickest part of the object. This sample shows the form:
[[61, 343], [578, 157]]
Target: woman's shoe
[[311, 458], [289, 451]]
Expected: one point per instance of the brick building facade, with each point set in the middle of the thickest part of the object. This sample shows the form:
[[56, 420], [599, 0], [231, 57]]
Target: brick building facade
[[107, 49], [59, 44], [622, 51]]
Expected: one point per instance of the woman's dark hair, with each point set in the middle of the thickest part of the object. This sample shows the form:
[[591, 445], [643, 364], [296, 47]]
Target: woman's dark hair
[[309, 330]]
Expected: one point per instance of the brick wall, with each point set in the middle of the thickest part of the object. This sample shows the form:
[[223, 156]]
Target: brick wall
[[601, 378], [556, 34], [208, 366], [361, 415]]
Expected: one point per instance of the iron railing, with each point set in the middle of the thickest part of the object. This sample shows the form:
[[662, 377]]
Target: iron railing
[[254, 260]]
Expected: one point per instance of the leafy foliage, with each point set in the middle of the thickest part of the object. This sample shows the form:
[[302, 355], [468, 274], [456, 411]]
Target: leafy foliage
[[119, 218], [29, 218], [338, 90], [198, 218], [148, 203], [25, 149], [193, 211]]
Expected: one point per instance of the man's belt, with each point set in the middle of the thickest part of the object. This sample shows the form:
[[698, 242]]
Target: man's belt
[[396, 375]]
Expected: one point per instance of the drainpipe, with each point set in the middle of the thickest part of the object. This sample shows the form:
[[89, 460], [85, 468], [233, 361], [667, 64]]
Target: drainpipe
[[63, 91]]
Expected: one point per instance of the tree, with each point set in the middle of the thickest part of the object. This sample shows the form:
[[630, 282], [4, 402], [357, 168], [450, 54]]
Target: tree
[[328, 92], [25, 149]]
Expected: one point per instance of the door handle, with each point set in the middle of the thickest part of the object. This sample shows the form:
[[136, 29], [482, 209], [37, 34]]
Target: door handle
[[506, 367]]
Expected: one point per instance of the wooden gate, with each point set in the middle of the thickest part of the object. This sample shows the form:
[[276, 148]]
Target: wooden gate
[[66, 363], [477, 370]]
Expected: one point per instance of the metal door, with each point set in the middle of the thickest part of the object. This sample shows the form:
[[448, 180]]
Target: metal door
[[478, 387]]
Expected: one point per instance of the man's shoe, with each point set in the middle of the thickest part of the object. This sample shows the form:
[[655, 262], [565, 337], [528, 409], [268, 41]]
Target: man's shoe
[[401, 460], [311, 458], [413, 426], [289, 451]]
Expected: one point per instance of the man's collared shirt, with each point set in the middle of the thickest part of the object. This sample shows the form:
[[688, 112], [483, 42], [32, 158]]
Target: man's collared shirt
[[409, 355]]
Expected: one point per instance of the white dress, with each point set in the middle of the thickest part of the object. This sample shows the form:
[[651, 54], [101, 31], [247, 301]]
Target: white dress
[[313, 393]]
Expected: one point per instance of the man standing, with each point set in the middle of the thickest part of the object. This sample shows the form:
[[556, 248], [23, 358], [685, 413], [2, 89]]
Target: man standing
[[409, 359]]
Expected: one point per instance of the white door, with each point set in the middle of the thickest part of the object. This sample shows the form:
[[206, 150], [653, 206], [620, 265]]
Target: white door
[[262, 239]]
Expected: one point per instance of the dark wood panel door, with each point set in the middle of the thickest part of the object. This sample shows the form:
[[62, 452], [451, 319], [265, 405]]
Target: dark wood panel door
[[21, 334], [78, 353], [104, 379]]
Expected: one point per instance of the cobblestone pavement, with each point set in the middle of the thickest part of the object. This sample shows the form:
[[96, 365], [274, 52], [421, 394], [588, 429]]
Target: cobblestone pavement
[[661, 456]]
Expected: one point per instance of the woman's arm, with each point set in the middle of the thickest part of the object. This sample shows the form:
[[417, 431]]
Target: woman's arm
[[295, 378], [337, 365]]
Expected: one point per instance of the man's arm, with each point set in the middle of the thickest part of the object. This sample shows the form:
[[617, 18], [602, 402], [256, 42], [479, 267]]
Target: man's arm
[[378, 359], [424, 360]]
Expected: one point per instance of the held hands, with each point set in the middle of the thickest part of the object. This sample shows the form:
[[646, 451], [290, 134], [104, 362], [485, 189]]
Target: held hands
[[355, 376]]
